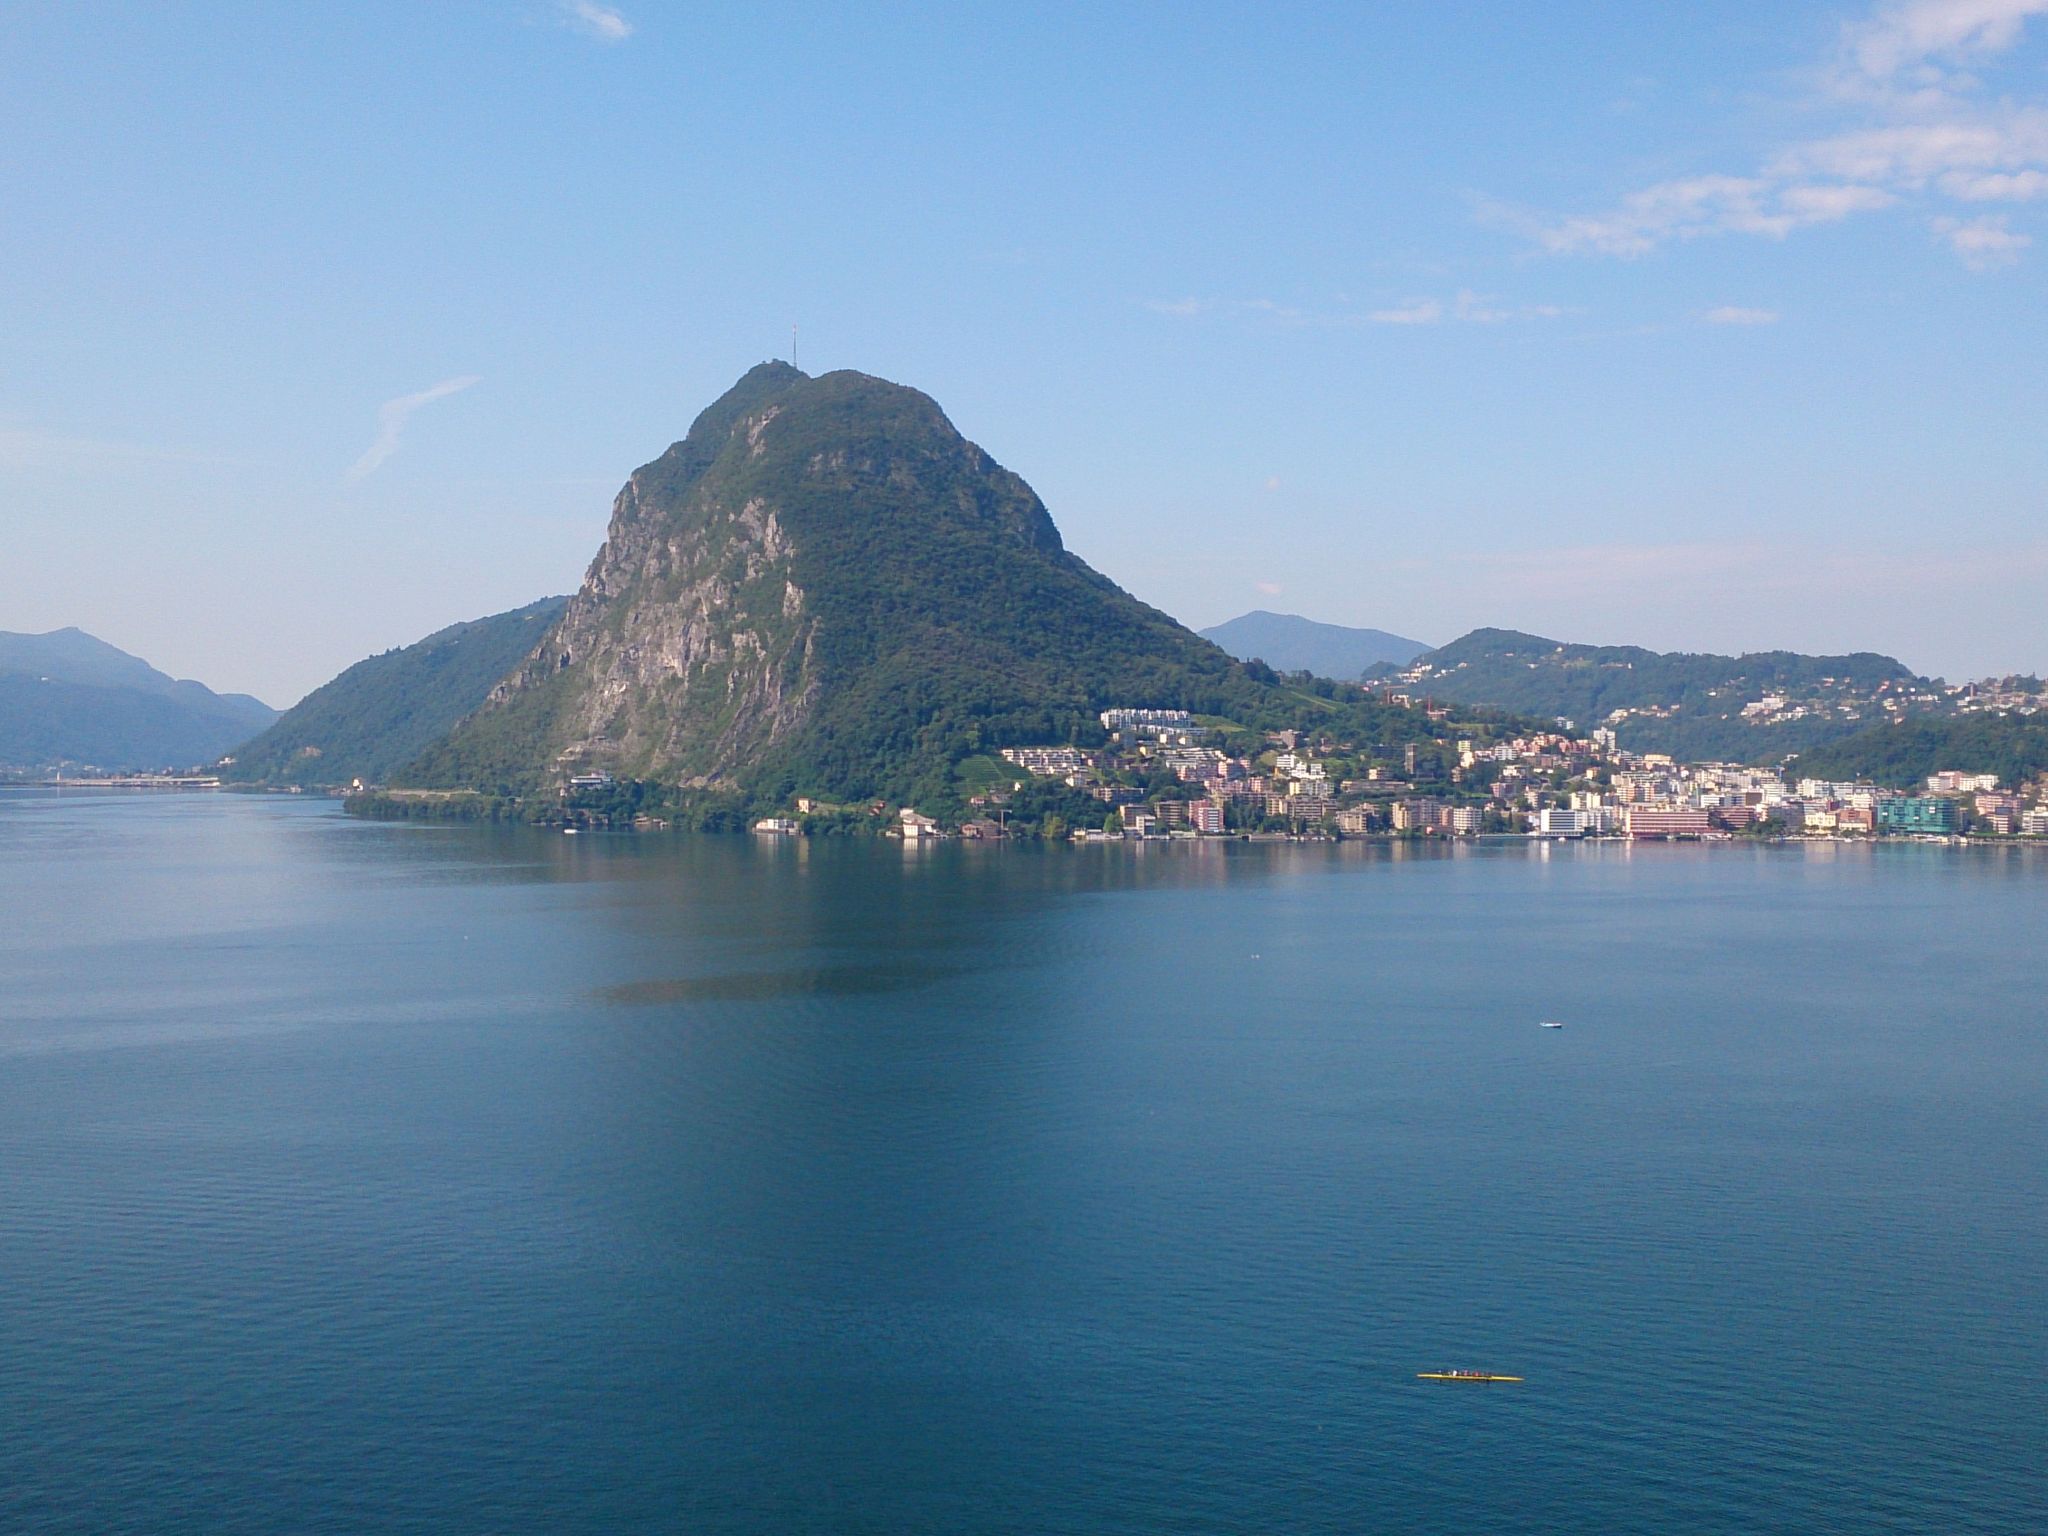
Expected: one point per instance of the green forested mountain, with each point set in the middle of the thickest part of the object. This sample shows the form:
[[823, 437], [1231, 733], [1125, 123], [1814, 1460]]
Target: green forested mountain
[[1690, 705], [825, 589], [380, 713], [2015, 747], [70, 700], [1294, 644]]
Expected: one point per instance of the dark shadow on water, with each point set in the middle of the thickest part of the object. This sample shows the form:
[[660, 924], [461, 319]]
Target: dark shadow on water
[[760, 986]]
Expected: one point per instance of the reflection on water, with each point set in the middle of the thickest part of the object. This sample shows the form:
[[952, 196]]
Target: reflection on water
[[483, 1179]]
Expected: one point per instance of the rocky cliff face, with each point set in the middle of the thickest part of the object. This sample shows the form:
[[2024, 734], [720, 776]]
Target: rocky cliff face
[[823, 587]]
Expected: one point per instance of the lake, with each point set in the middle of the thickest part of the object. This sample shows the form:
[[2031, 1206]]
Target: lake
[[371, 1177]]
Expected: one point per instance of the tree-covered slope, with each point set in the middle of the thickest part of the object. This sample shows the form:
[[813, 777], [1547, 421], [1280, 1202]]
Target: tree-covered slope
[[70, 700], [1292, 643], [1688, 704], [824, 588], [380, 713], [2015, 747]]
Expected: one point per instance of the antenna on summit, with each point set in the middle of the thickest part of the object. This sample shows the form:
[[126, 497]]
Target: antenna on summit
[[792, 343]]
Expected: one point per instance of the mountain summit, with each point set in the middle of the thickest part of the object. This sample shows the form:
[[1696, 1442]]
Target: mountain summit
[[824, 588]]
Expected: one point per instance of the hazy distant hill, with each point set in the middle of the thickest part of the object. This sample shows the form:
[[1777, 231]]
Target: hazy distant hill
[[381, 712], [1750, 708], [67, 699], [1290, 643]]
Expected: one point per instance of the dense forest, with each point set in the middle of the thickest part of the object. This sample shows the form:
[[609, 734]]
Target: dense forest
[[2015, 747]]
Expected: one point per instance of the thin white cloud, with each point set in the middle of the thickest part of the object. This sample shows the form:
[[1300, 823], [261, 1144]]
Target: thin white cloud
[[1737, 314], [32, 448], [1479, 308], [1983, 243], [1414, 312], [1586, 571], [1268, 588], [1996, 186], [392, 416], [1930, 130], [1920, 39], [594, 20], [1466, 306]]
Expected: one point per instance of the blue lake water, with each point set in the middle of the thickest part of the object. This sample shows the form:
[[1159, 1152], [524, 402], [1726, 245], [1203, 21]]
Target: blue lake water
[[358, 1177]]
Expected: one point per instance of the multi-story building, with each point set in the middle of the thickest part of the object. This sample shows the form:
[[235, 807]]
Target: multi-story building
[[2035, 822], [1917, 814], [1950, 782], [1415, 815], [1464, 820], [1055, 762], [1645, 821], [1556, 821], [1205, 816]]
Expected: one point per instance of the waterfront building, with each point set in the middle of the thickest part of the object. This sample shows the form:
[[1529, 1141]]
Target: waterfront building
[[1663, 821], [1917, 814]]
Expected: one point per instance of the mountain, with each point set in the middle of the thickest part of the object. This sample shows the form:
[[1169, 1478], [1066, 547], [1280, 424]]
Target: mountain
[[1755, 707], [69, 700], [381, 713], [1294, 644], [824, 588]]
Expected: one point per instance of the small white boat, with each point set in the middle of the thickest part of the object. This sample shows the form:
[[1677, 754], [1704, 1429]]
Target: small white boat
[[1553, 1023]]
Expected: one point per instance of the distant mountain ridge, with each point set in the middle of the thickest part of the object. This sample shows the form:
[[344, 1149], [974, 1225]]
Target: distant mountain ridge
[[1290, 643], [1755, 707], [68, 699], [383, 711]]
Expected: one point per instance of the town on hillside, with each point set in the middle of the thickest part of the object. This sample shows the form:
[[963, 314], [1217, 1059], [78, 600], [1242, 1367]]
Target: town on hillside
[[1163, 774]]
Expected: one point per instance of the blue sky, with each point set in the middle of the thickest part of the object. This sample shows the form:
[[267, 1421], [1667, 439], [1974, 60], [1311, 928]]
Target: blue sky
[[322, 326]]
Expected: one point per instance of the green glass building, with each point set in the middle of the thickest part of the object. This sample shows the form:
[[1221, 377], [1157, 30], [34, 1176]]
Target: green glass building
[[1917, 813]]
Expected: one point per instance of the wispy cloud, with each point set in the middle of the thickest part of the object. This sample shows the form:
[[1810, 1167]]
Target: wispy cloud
[[392, 416], [1414, 312], [33, 448], [1736, 314], [1585, 571], [594, 20], [1983, 243], [1466, 307], [1929, 129]]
